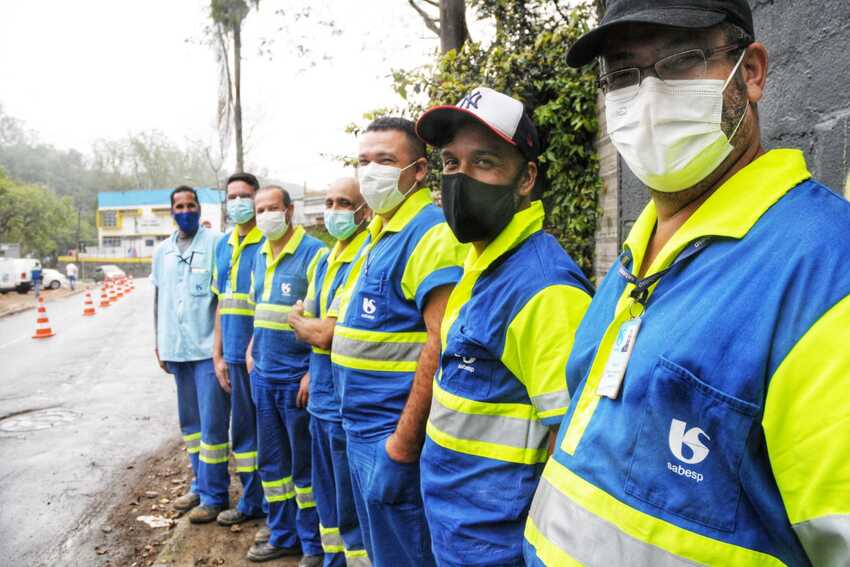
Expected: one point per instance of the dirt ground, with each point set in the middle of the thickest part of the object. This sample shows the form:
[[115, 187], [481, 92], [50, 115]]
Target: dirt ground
[[14, 302], [129, 542]]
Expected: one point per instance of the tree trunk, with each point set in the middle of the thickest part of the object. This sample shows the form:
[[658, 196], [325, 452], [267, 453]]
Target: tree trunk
[[453, 31], [237, 101]]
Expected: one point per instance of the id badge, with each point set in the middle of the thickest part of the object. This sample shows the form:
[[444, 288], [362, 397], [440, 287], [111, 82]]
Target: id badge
[[618, 360]]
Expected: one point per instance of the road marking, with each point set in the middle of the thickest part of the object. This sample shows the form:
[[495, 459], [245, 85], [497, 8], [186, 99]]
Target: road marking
[[12, 342]]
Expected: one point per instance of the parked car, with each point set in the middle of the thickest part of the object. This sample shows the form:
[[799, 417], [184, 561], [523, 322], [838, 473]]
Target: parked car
[[53, 279], [16, 274], [108, 272]]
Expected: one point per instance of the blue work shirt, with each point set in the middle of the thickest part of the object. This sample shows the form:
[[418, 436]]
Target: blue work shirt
[[331, 272], [186, 303], [277, 283], [380, 331], [234, 260], [727, 440]]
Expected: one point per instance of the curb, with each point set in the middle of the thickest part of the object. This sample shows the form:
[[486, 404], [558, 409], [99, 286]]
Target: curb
[[23, 308]]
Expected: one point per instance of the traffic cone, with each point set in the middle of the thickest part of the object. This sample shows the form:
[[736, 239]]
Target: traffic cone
[[112, 295], [104, 296], [119, 289], [42, 325], [88, 306], [132, 283]]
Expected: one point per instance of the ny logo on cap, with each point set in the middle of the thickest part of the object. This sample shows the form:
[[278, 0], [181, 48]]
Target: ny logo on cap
[[471, 100]]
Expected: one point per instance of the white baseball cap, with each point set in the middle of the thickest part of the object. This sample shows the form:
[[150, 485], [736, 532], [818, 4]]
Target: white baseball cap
[[501, 114]]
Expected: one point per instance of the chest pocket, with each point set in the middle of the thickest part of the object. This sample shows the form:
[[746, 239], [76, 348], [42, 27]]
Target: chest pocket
[[289, 288], [468, 366], [689, 448], [199, 282], [371, 300]]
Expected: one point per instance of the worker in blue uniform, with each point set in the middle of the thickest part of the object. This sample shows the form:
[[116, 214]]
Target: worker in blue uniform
[[709, 421], [386, 342], [184, 319], [346, 215], [234, 260], [279, 364], [500, 391]]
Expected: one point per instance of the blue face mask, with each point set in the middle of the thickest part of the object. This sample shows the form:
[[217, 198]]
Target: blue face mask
[[188, 222], [340, 224], [240, 210]]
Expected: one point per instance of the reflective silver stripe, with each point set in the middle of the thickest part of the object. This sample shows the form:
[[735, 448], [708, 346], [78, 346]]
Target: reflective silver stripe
[[304, 499], [233, 303], [193, 445], [368, 350], [311, 306], [332, 543], [498, 429], [271, 316], [826, 540], [210, 454], [357, 561], [246, 463], [283, 491], [589, 539], [335, 303], [552, 401]]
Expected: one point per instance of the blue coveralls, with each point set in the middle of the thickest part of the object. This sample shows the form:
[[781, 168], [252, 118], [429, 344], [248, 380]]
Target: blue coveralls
[[234, 259], [280, 362]]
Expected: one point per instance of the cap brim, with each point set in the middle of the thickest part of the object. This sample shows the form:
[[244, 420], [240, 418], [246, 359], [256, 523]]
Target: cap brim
[[591, 45], [437, 125]]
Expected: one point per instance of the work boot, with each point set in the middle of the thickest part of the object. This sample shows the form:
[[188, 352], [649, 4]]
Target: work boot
[[263, 535], [260, 552], [186, 502], [311, 561], [234, 516], [204, 514]]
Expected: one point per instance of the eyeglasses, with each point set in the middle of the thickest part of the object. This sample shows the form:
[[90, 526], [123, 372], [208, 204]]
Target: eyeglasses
[[686, 65]]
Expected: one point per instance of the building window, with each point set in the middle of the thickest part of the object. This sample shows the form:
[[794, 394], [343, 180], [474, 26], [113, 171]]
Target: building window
[[150, 242], [111, 242], [108, 219]]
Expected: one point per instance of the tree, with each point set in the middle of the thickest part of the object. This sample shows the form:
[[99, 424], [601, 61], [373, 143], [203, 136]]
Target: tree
[[227, 17], [452, 29]]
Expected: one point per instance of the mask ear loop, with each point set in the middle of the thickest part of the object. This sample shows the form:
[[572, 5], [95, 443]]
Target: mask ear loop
[[726, 84], [411, 164]]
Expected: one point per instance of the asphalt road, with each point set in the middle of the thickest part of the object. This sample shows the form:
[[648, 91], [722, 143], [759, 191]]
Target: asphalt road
[[74, 409]]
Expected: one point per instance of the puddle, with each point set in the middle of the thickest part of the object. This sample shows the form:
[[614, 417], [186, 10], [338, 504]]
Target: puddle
[[35, 420]]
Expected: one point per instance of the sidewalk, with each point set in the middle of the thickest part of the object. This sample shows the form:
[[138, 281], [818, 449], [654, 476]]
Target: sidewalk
[[14, 302]]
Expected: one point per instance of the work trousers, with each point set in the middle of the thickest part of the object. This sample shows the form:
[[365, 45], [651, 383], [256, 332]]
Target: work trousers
[[243, 433], [203, 409], [283, 457], [389, 505], [339, 527]]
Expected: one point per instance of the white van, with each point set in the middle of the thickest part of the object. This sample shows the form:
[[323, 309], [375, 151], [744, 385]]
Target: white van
[[16, 274]]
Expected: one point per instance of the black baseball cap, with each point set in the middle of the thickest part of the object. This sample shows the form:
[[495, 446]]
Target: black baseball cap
[[504, 116], [689, 14]]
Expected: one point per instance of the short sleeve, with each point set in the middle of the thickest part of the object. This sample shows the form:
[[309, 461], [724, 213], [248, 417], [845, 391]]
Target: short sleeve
[[436, 260], [538, 342]]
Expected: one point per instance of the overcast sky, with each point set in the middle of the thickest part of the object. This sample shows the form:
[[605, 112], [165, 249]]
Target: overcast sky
[[88, 69]]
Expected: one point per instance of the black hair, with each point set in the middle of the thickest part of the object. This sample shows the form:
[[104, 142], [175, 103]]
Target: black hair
[[734, 33], [185, 189], [245, 177], [287, 200], [384, 123]]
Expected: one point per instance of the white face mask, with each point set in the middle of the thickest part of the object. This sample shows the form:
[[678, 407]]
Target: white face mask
[[272, 223], [670, 133], [379, 185]]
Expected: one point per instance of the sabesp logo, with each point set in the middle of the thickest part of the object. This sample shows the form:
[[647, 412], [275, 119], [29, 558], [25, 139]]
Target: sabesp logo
[[369, 308], [467, 363], [679, 437], [285, 288]]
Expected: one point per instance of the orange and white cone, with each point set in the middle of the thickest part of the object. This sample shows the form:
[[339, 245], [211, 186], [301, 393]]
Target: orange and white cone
[[42, 324], [88, 306], [104, 296], [112, 295], [119, 289], [132, 283]]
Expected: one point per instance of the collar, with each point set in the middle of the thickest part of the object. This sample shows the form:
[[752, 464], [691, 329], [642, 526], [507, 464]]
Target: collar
[[350, 251], [525, 223], [730, 212], [405, 213], [254, 235], [193, 246], [290, 248]]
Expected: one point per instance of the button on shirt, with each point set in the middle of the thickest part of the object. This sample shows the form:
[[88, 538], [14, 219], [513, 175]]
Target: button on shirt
[[186, 302], [728, 442]]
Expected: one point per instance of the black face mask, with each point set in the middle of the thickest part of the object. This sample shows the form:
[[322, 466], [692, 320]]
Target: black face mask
[[475, 210]]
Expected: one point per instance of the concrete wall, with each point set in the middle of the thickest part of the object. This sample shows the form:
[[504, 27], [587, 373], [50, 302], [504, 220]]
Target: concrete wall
[[806, 104]]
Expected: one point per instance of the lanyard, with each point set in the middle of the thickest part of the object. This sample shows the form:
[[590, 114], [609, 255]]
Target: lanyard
[[641, 291]]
